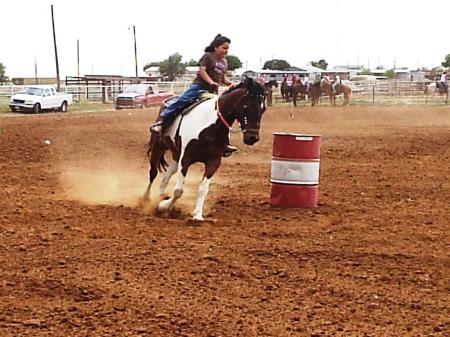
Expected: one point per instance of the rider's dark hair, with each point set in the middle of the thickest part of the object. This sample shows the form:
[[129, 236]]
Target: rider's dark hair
[[218, 41]]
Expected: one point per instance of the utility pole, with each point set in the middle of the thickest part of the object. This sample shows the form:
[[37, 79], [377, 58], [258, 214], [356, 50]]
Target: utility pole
[[135, 50], [56, 51], [36, 81], [78, 69], [78, 59]]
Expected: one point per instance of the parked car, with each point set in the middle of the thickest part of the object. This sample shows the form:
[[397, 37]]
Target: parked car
[[140, 96], [36, 98]]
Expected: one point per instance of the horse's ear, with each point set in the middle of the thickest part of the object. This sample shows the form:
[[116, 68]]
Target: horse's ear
[[250, 83]]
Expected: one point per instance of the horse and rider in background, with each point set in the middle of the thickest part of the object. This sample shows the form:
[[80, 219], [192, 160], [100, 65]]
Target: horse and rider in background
[[300, 89], [335, 88], [268, 91], [439, 86], [285, 90]]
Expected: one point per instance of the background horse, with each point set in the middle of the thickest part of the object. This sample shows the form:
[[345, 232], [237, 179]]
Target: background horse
[[315, 92], [285, 91], [298, 89], [201, 136], [268, 88], [326, 88], [434, 88]]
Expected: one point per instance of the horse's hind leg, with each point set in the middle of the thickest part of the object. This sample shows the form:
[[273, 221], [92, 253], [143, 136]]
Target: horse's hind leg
[[346, 99], [166, 177], [153, 172], [166, 205], [155, 156], [181, 168]]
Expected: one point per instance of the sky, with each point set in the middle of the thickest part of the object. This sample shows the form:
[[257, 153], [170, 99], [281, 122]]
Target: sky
[[343, 32]]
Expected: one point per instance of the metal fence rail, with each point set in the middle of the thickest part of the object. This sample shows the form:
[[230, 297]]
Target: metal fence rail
[[364, 92]]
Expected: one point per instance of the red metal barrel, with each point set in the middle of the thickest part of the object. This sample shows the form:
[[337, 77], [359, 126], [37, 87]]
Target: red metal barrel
[[295, 170]]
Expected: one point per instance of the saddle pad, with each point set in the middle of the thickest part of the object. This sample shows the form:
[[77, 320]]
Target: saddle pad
[[203, 98]]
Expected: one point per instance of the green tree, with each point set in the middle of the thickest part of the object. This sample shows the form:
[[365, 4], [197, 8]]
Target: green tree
[[3, 77], [365, 71], [192, 63], [389, 73], [322, 64], [172, 67], [276, 64], [446, 63], [233, 62], [152, 64]]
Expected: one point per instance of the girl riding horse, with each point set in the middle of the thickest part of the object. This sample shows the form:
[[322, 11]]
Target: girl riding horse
[[201, 136]]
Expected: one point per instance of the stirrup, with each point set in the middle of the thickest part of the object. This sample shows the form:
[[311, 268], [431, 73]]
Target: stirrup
[[157, 128], [229, 151]]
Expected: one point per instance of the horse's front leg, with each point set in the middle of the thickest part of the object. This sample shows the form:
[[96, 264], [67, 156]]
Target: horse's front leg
[[203, 188]]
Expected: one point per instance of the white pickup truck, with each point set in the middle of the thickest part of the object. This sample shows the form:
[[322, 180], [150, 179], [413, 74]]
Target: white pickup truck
[[36, 98]]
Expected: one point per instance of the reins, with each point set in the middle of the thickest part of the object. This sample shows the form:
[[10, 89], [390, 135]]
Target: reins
[[223, 120]]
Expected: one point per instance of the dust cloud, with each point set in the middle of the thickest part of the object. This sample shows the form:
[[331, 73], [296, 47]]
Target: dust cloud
[[119, 184], [94, 186]]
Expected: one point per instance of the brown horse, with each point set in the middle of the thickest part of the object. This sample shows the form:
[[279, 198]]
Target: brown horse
[[327, 88], [315, 92], [285, 90], [299, 88], [268, 91]]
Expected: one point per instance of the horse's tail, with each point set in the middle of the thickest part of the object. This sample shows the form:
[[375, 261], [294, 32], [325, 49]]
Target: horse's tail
[[155, 147]]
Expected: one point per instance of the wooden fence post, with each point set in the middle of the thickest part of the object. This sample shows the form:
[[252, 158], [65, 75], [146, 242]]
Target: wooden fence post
[[373, 93]]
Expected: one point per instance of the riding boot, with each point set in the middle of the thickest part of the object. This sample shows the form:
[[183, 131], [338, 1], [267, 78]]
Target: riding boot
[[157, 128], [229, 150]]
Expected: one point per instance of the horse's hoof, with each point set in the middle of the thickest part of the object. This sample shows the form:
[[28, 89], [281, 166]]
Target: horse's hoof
[[197, 218], [143, 201], [163, 206], [193, 222]]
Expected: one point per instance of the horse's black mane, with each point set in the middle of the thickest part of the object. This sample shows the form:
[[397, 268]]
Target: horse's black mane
[[252, 86]]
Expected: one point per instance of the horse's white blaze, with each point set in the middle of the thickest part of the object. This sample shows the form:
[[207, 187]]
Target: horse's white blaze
[[203, 189]]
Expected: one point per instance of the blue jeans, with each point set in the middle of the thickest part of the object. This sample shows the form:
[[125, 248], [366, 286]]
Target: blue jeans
[[187, 97]]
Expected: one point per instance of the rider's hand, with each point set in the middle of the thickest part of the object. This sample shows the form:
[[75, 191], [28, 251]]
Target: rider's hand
[[231, 85], [214, 84]]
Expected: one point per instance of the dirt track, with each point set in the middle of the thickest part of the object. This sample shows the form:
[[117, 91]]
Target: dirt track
[[79, 258]]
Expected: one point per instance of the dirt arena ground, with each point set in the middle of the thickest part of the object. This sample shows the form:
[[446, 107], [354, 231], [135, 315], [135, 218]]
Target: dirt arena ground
[[78, 257]]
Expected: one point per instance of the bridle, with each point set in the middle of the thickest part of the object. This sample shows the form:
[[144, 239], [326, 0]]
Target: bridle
[[225, 122]]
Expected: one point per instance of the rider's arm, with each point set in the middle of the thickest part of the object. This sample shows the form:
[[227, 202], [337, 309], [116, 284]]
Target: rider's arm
[[226, 81], [204, 75]]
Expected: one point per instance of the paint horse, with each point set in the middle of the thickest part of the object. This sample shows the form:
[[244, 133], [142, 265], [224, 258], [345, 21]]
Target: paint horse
[[201, 136]]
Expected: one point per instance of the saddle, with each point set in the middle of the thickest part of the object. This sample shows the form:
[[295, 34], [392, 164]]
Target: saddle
[[202, 97]]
